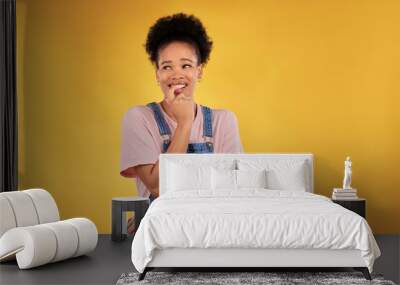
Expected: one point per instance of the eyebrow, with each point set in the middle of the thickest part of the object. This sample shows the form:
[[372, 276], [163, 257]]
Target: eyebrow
[[169, 61], [187, 59]]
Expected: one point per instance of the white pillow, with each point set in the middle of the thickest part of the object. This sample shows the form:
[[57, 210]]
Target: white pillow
[[251, 178], [236, 179], [223, 179], [181, 177], [282, 174], [287, 179]]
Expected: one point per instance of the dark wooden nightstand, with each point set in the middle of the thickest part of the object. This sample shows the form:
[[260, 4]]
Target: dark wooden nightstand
[[119, 207], [356, 205]]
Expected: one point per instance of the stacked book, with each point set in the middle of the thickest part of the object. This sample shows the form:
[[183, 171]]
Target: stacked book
[[344, 194]]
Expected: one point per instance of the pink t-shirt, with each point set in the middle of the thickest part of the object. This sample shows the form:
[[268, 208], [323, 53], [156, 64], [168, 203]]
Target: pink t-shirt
[[142, 143]]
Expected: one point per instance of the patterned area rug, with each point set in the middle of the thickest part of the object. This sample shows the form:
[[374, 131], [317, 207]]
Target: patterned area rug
[[225, 278]]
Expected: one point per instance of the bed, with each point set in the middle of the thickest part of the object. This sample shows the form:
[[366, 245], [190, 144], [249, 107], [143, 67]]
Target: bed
[[245, 211]]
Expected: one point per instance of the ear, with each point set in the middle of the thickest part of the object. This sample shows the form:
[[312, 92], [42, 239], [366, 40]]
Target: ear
[[200, 71]]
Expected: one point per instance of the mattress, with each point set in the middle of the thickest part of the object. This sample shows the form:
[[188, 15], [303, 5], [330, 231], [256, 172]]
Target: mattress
[[250, 219]]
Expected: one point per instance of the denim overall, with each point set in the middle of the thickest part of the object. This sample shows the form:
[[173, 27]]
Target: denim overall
[[165, 132]]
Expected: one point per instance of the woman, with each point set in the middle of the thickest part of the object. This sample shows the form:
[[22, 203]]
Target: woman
[[178, 47]]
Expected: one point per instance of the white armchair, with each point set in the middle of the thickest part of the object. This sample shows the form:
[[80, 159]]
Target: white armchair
[[31, 230]]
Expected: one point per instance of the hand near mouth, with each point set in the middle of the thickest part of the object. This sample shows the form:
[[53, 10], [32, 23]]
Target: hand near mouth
[[176, 93], [178, 88], [180, 105]]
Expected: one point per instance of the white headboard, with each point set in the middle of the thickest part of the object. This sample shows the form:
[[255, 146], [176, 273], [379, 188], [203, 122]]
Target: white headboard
[[165, 158]]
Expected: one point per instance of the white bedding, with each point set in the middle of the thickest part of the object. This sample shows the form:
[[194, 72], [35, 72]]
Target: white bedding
[[250, 218]]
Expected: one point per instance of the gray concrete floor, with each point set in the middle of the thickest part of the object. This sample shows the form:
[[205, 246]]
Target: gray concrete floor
[[111, 259], [102, 266], [389, 262]]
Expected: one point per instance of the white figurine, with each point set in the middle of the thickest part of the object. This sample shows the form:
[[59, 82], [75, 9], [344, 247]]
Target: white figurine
[[347, 174]]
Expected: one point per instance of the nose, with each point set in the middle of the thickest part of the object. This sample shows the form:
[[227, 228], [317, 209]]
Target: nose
[[177, 76]]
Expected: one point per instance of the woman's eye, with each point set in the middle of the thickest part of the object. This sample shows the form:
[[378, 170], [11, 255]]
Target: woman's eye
[[166, 67], [186, 65]]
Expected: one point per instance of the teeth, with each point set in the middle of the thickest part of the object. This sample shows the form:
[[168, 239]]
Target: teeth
[[178, 85]]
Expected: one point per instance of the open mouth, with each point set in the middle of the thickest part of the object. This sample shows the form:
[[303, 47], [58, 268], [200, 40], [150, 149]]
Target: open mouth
[[179, 87]]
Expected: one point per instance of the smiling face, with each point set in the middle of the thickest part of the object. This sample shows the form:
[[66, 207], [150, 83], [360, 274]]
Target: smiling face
[[178, 65]]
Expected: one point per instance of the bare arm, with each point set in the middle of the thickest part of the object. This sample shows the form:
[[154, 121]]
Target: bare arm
[[181, 106], [149, 173]]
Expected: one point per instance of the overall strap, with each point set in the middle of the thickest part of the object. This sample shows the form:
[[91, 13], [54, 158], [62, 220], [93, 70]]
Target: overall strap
[[207, 122], [162, 124]]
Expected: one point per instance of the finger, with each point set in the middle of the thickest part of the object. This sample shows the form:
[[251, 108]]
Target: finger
[[171, 93]]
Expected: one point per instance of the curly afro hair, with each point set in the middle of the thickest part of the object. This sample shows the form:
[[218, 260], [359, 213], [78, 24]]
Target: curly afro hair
[[178, 27]]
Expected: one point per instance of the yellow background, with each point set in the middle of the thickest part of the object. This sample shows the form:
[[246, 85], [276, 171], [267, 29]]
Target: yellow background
[[301, 76]]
